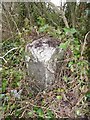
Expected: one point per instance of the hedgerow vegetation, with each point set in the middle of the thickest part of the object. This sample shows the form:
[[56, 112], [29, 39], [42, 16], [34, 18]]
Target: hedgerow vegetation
[[69, 96]]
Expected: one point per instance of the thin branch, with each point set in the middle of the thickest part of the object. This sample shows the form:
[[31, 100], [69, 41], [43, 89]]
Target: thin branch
[[10, 51], [60, 12], [7, 54], [85, 41], [3, 59], [8, 22], [13, 20]]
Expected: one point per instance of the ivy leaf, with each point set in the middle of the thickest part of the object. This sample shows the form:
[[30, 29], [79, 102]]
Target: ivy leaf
[[43, 28], [64, 45], [70, 30], [73, 30], [49, 114], [1, 96], [88, 94], [40, 112]]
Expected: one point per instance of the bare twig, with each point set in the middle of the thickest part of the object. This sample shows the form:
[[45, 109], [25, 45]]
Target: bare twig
[[3, 59], [23, 113], [13, 20], [60, 12], [10, 51], [7, 54], [85, 41], [8, 22]]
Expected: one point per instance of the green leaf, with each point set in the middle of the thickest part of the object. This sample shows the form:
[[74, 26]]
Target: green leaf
[[59, 90], [30, 114], [70, 30], [18, 84], [30, 94], [41, 21], [73, 30], [43, 28], [17, 112], [66, 30], [4, 84], [65, 78], [50, 114], [40, 112], [64, 45], [88, 94], [1, 96], [70, 63], [59, 97]]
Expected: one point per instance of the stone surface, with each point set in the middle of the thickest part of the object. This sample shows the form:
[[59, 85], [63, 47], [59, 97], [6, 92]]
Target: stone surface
[[42, 56]]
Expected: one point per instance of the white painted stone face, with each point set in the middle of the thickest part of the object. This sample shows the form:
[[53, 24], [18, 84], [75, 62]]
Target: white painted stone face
[[41, 61], [43, 53]]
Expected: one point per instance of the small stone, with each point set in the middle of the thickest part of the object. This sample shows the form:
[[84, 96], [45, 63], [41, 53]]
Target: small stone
[[42, 57]]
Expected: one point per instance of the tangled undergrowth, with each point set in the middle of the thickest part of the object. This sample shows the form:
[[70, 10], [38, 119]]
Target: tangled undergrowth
[[66, 98]]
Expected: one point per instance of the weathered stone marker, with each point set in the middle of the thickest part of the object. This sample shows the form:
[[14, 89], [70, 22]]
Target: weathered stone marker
[[42, 56]]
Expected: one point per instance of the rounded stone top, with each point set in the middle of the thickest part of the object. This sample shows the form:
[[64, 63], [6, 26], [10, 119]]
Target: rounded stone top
[[43, 48], [50, 41]]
